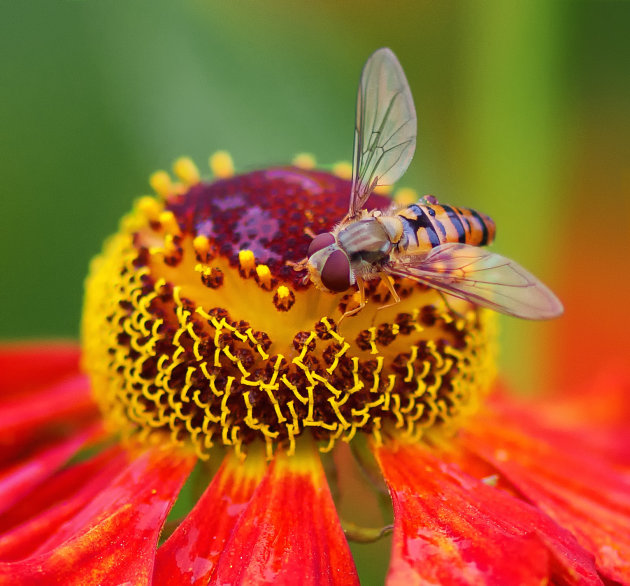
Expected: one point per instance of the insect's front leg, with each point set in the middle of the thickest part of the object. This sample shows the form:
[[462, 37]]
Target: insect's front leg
[[387, 281], [362, 301], [297, 266]]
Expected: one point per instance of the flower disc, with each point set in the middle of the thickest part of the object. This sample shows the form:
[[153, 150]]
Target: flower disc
[[197, 326]]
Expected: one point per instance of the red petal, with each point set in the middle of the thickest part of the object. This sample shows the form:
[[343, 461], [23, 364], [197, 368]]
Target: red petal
[[66, 401], [190, 555], [113, 540], [55, 503], [573, 483], [56, 488], [27, 366], [17, 482], [290, 533], [451, 528]]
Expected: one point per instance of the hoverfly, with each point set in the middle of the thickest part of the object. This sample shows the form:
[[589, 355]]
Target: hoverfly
[[433, 244]]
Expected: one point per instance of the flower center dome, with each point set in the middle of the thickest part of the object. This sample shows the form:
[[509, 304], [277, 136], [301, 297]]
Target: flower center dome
[[196, 326]]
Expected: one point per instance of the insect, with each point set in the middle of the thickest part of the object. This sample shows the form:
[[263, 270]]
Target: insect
[[437, 245]]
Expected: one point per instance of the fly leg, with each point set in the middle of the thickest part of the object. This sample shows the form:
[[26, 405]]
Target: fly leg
[[301, 265], [297, 266], [309, 232], [362, 301], [387, 281]]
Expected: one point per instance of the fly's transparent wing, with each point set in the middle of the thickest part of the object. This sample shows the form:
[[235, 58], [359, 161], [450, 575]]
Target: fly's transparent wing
[[385, 129], [482, 277]]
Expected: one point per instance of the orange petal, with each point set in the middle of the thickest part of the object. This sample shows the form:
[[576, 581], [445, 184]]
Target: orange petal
[[190, 555], [451, 528], [572, 481], [289, 533], [114, 539]]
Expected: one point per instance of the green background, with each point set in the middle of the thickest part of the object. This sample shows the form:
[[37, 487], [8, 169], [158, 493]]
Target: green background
[[523, 113]]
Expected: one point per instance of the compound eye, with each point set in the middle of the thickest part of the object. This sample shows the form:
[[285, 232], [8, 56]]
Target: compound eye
[[320, 241], [336, 272]]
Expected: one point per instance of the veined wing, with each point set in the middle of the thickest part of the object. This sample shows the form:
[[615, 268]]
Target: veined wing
[[482, 277], [385, 129]]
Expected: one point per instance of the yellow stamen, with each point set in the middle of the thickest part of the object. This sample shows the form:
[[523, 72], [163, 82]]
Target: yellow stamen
[[201, 244], [161, 183], [169, 223], [343, 170], [149, 207], [264, 276], [186, 170], [247, 261], [221, 165], [405, 196], [304, 161]]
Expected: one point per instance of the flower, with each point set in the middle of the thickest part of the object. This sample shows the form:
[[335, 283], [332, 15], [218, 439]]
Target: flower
[[206, 354]]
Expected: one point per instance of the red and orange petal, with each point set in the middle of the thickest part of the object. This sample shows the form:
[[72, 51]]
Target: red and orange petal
[[451, 528], [42, 398], [253, 526], [581, 485], [113, 538]]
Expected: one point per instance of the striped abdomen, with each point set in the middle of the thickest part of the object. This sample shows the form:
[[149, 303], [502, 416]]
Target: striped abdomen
[[427, 226]]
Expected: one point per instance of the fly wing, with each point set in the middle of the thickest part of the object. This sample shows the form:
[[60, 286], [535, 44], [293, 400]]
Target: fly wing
[[481, 277], [385, 129]]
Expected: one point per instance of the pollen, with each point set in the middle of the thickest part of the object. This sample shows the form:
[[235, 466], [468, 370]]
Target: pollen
[[343, 170], [161, 183], [169, 223], [149, 208], [221, 165], [186, 170], [263, 276], [383, 189], [304, 161], [405, 196], [247, 262], [201, 331]]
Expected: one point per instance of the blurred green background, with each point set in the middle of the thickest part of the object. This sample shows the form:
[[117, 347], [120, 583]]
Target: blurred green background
[[524, 113]]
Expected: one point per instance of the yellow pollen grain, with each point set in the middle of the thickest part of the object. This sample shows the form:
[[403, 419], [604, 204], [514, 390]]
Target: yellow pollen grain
[[201, 244], [169, 223], [149, 208], [161, 183], [247, 261], [221, 165], [169, 245], [283, 292], [343, 170], [203, 269], [405, 196], [304, 161], [186, 170], [264, 275], [383, 189]]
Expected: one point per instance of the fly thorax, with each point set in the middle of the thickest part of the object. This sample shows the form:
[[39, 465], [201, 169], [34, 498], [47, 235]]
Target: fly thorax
[[365, 239], [393, 227]]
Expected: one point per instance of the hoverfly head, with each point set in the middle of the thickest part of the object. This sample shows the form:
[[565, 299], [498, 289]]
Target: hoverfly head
[[328, 265]]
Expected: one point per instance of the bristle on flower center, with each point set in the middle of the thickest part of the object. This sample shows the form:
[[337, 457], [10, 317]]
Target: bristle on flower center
[[198, 329]]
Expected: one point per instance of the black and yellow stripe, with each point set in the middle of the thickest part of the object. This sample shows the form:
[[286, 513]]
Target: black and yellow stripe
[[428, 226]]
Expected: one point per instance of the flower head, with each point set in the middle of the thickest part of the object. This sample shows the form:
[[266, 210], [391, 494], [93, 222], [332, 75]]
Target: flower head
[[202, 343]]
